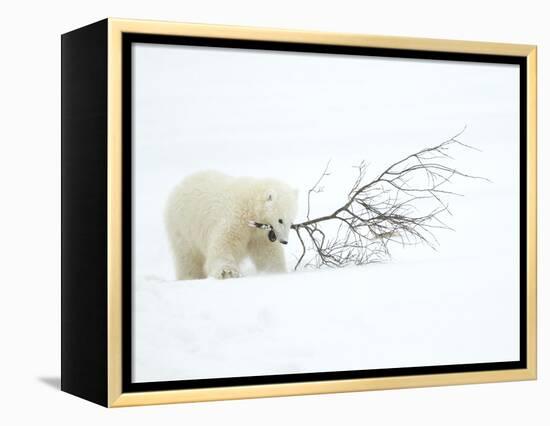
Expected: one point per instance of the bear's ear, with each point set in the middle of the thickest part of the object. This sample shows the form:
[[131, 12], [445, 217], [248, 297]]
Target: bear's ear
[[269, 197]]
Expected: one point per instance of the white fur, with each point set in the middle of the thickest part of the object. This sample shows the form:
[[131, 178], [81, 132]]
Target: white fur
[[208, 219]]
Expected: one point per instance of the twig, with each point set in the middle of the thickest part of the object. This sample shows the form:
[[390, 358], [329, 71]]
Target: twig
[[382, 211]]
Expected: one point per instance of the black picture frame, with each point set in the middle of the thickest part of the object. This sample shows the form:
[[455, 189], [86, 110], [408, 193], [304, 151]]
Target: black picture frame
[[91, 316]]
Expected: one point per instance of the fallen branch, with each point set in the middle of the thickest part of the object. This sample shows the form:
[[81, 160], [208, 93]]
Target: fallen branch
[[385, 210]]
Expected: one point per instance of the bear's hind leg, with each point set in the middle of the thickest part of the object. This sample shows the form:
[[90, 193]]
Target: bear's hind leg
[[189, 263], [190, 266]]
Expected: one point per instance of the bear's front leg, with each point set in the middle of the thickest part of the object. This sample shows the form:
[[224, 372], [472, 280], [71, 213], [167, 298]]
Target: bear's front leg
[[268, 256], [222, 260], [222, 267]]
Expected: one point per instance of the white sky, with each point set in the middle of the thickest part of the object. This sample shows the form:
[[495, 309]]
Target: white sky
[[284, 115]]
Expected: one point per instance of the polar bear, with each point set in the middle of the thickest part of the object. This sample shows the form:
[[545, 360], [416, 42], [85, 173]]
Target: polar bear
[[215, 221]]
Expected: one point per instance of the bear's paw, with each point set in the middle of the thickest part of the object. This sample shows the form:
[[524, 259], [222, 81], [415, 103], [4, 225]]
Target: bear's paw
[[227, 272]]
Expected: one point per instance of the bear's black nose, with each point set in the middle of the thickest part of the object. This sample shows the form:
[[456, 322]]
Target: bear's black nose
[[284, 242]]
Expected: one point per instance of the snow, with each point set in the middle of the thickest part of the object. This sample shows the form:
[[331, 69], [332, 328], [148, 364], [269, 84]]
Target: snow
[[359, 318], [263, 114]]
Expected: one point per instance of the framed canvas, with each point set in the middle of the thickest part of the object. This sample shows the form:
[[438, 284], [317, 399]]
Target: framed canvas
[[255, 212]]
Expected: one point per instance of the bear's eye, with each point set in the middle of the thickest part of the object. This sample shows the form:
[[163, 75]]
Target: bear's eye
[[281, 221]]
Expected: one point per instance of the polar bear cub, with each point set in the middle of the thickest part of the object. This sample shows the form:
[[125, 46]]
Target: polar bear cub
[[215, 221]]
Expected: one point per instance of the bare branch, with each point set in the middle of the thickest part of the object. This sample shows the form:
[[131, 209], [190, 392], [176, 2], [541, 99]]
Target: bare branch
[[316, 188], [393, 208]]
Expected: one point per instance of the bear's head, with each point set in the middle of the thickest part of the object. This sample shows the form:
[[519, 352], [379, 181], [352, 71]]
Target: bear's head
[[276, 210]]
